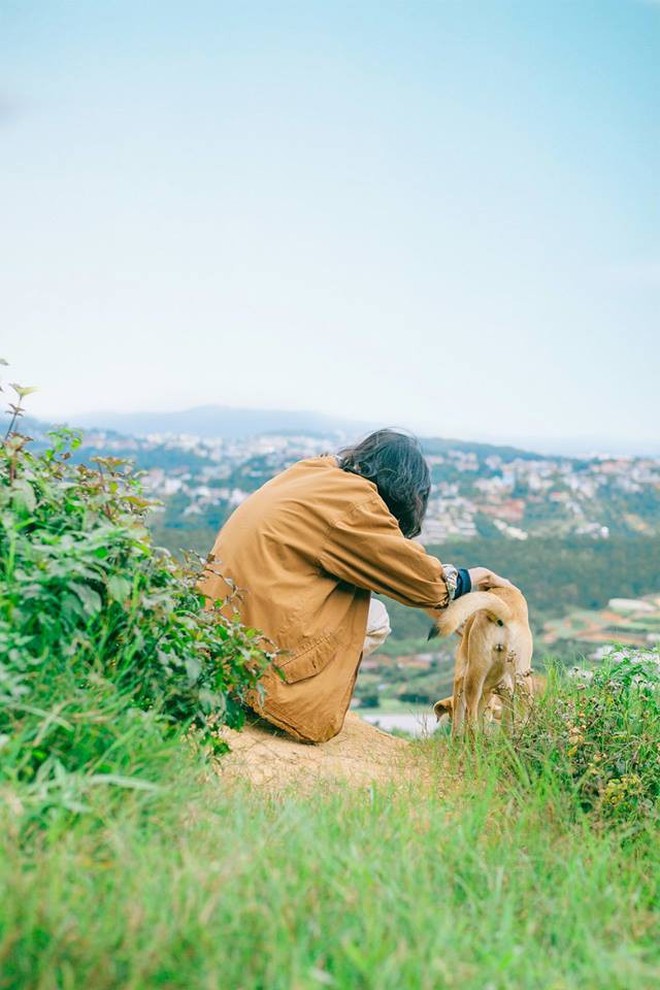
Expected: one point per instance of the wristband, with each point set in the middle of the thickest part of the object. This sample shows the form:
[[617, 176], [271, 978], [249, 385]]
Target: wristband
[[464, 584]]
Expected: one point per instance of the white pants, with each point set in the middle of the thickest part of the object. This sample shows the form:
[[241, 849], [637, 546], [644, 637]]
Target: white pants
[[378, 627]]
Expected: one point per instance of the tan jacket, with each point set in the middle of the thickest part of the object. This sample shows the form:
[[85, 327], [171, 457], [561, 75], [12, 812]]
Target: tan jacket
[[307, 550]]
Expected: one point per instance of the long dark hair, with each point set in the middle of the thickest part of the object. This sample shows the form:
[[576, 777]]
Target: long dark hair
[[394, 462]]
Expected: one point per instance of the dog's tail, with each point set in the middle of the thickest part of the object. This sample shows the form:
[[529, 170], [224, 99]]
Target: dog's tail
[[449, 619]]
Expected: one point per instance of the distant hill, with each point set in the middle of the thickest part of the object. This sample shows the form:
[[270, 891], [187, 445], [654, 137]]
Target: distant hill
[[222, 422], [226, 423]]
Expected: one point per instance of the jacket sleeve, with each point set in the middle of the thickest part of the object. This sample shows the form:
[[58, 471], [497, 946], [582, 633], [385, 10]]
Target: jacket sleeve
[[365, 547]]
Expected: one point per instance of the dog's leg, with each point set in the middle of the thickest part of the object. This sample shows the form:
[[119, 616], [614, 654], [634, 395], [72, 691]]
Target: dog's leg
[[458, 707], [484, 705], [470, 674], [506, 691], [474, 686]]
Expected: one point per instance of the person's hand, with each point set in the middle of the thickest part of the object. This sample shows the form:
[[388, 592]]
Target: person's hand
[[483, 580]]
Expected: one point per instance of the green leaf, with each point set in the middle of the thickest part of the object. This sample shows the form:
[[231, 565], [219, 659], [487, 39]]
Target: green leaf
[[321, 976], [90, 599], [23, 496], [193, 669], [131, 783], [119, 588]]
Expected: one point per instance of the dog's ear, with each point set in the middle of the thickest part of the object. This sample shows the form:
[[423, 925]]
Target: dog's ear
[[433, 633], [444, 707]]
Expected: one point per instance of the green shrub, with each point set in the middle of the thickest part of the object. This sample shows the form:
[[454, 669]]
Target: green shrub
[[97, 625], [597, 735]]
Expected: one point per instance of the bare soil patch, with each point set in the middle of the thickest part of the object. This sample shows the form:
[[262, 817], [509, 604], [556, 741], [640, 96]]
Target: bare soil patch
[[360, 755]]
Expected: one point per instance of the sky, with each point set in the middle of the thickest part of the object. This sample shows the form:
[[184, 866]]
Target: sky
[[437, 215]]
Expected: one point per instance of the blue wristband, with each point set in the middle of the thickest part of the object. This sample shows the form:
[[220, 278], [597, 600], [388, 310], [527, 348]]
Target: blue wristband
[[464, 584]]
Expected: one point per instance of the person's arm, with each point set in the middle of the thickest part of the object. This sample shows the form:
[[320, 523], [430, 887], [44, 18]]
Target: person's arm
[[365, 547]]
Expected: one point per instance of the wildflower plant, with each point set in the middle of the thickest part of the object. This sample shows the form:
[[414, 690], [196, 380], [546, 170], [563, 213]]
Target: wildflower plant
[[597, 734]]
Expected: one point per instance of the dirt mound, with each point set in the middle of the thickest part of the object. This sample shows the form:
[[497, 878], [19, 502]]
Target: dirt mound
[[361, 754]]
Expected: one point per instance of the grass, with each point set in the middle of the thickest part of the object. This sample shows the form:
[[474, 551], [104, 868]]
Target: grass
[[468, 878]]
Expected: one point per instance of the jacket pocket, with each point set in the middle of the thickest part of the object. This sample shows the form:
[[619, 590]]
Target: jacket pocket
[[308, 660]]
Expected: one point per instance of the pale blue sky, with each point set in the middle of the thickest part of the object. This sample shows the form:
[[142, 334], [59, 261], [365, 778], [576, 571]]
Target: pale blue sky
[[440, 215]]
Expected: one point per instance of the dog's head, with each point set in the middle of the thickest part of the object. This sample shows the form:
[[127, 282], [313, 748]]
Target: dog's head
[[444, 707]]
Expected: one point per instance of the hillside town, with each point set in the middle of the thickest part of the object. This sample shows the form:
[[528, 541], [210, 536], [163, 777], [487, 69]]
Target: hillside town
[[489, 492]]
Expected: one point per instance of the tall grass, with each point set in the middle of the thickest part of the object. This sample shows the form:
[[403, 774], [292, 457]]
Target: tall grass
[[470, 877]]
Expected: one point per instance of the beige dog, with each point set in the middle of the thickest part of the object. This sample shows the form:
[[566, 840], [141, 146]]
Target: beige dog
[[493, 659]]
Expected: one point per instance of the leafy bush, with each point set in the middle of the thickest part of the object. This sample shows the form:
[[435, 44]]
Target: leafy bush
[[598, 736], [96, 624]]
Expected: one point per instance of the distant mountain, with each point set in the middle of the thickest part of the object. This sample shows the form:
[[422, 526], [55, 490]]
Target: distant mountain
[[218, 422], [222, 422]]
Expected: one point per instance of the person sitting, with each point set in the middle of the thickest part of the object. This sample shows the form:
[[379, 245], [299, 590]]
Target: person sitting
[[306, 551]]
